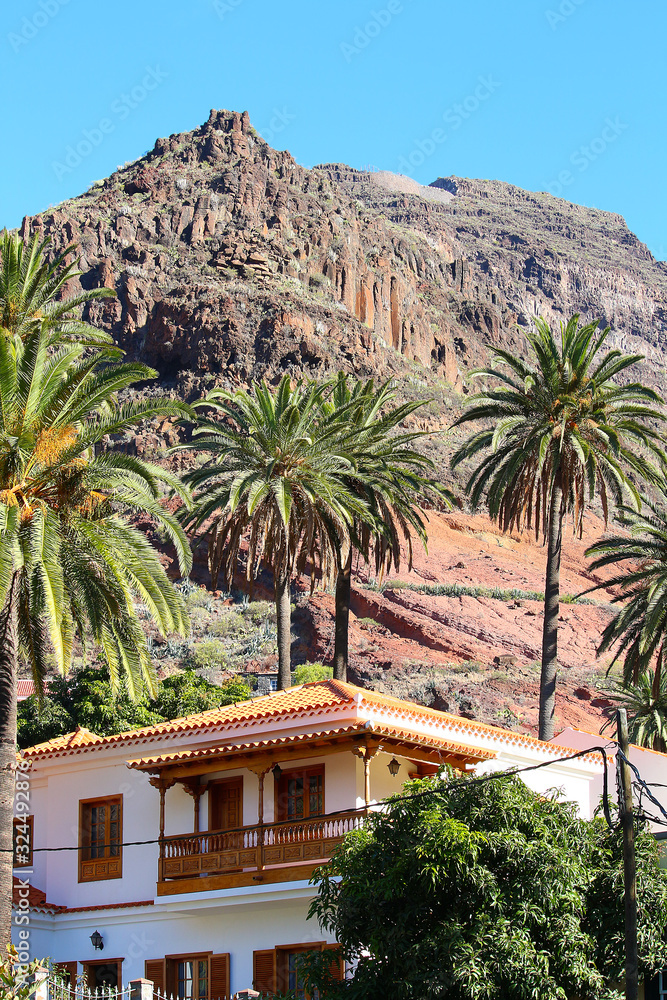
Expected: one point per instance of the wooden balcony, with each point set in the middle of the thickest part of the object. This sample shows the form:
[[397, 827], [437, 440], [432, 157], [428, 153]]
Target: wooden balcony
[[271, 852]]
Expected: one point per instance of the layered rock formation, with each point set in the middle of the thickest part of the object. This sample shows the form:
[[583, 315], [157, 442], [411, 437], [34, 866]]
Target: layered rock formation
[[232, 262]]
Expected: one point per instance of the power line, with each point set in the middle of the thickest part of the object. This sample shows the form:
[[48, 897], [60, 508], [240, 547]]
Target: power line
[[461, 783]]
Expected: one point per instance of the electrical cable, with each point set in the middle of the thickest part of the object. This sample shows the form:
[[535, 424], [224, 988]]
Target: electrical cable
[[463, 783]]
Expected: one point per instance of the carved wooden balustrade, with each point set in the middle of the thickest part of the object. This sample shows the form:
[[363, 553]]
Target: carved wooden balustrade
[[255, 847]]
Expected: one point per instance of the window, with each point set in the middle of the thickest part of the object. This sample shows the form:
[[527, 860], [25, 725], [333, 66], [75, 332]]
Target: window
[[105, 973], [190, 977], [279, 969], [292, 974], [23, 827], [100, 839], [300, 794]]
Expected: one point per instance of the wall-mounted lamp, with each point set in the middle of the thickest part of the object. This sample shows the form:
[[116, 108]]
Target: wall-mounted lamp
[[394, 767], [276, 771], [97, 941]]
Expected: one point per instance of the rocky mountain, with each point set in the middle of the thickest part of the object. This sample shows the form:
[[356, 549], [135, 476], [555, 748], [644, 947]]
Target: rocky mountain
[[232, 262]]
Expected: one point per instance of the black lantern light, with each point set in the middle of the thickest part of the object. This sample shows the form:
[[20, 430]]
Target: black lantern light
[[97, 941], [277, 771], [394, 767]]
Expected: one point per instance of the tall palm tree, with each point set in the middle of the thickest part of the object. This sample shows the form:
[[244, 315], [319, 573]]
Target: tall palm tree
[[274, 479], [386, 473], [559, 431], [32, 293], [639, 628], [71, 563]]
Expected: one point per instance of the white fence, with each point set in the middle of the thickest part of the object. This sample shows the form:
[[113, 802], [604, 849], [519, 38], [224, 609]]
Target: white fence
[[49, 987]]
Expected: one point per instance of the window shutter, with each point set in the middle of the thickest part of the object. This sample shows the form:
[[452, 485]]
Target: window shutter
[[264, 971], [154, 970], [219, 977], [69, 970], [337, 967]]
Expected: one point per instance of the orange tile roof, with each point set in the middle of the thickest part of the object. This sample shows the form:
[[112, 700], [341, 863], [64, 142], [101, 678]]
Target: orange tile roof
[[436, 743], [305, 701], [37, 901], [36, 898]]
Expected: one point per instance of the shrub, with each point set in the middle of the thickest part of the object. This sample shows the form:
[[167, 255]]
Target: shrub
[[210, 653], [309, 672]]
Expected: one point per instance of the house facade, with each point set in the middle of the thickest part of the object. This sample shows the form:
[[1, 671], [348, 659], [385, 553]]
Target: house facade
[[183, 852]]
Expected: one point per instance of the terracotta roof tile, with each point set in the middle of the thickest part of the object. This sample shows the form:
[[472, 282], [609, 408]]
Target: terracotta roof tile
[[37, 901], [307, 700], [450, 747]]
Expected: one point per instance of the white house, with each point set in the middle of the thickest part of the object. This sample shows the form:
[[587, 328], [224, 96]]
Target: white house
[[184, 850], [651, 764]]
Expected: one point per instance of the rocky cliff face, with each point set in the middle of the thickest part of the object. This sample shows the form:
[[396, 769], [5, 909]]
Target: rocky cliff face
[[233, 262]]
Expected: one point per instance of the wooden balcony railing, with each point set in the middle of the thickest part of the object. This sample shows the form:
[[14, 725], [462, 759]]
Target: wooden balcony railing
[[255, 847]]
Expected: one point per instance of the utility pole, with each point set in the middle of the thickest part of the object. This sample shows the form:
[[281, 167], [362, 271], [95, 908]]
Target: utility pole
[[629, 866]]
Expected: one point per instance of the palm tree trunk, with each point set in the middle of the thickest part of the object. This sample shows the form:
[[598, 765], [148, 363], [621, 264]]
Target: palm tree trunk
[[551, 610], [284, 621], [8, 671], [342, 626]]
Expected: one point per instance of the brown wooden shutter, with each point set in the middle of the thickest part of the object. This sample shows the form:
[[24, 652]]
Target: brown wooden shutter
[[264, 971], [218, 988], [155, 971], [337, 967], [69, 970]]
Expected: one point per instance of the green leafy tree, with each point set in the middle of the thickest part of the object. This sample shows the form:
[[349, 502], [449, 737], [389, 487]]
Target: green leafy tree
[[86, 698], [468, 890], [558, 432], [275, 481], [31, 293], [71, 563], [388, 476]]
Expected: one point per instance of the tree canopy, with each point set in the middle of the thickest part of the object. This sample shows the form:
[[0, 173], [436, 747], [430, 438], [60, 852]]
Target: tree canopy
[[86, 698], [468, 890], [559, 430]]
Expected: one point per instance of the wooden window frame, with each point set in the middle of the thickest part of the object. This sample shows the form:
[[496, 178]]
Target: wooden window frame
[[21, 821], [108, 867], [216, 782], [170, 969], [306, 771], [93, 963], [280, 960]]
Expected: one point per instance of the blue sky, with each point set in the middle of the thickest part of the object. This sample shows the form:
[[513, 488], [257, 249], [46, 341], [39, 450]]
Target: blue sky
[[560, 95]]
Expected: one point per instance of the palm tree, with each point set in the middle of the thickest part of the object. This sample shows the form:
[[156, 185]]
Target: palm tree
[[275, 481], [639, 629], [386, 473], [559, 431], [647, 711], [31, 293], [71, 564]]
